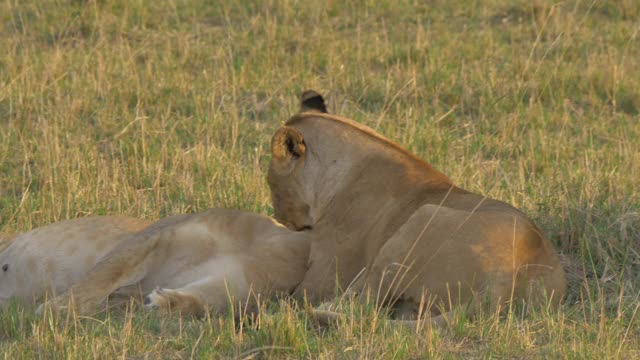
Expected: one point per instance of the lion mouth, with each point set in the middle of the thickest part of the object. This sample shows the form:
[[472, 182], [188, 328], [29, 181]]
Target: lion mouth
[[293, 227]]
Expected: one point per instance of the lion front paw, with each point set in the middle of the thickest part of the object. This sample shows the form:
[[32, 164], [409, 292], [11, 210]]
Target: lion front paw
[[157, 299], [173, 300]]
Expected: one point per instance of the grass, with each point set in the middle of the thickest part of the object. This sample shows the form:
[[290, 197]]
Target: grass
[[150, 108]]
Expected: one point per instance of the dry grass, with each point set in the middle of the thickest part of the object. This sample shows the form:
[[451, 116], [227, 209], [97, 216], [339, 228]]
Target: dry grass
[[150, 108]]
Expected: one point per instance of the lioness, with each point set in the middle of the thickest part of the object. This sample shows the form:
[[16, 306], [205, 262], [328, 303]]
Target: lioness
[[386, 221], [53, 257], [191, 263]]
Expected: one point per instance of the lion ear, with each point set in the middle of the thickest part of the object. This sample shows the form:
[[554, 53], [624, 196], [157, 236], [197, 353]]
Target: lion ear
[[312, 101], [287, 147]]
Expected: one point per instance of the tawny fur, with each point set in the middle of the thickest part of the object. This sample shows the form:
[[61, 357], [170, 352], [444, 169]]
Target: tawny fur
[[379, 211], [51, 258], [197, 262], [5, 240]]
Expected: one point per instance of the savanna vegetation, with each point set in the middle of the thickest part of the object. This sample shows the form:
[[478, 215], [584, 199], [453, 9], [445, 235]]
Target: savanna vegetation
[[151, 108]]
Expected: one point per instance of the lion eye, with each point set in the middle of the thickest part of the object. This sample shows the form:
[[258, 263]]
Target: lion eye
[[5, 267]]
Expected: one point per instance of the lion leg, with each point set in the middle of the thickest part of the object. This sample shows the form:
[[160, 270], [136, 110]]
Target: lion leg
[[133, 290], [193, 299], [213, 292], [326, 317], [125, 265], [180, 300]]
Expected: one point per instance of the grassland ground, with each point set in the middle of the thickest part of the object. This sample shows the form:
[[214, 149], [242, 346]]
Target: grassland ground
[[150, 108]]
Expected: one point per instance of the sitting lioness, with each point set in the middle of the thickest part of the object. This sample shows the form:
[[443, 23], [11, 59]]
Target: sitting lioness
[[196, 262], [51, 258], [387, 222]]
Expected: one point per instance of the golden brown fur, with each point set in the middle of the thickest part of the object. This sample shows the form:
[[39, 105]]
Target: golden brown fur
[[191, 263], [5, 240], [379, 211], [49, 259]]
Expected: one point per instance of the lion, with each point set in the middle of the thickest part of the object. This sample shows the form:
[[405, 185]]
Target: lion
[[194, 263], [5, 240], [387, 223], [49, 259]]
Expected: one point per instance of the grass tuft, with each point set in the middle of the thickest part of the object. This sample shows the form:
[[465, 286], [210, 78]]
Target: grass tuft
[[152, 108]]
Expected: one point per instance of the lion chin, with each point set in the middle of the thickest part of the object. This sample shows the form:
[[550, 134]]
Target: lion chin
[[389, 224]]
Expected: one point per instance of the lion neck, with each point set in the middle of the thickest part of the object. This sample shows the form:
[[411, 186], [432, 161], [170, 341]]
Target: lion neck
[[361, 186], [344, 157]]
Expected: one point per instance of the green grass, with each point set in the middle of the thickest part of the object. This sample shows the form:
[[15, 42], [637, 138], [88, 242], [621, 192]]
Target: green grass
[[150, 108]]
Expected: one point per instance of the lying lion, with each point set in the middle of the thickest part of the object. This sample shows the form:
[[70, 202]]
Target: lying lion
[[185, 263], [386, 222], [51, 258]]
